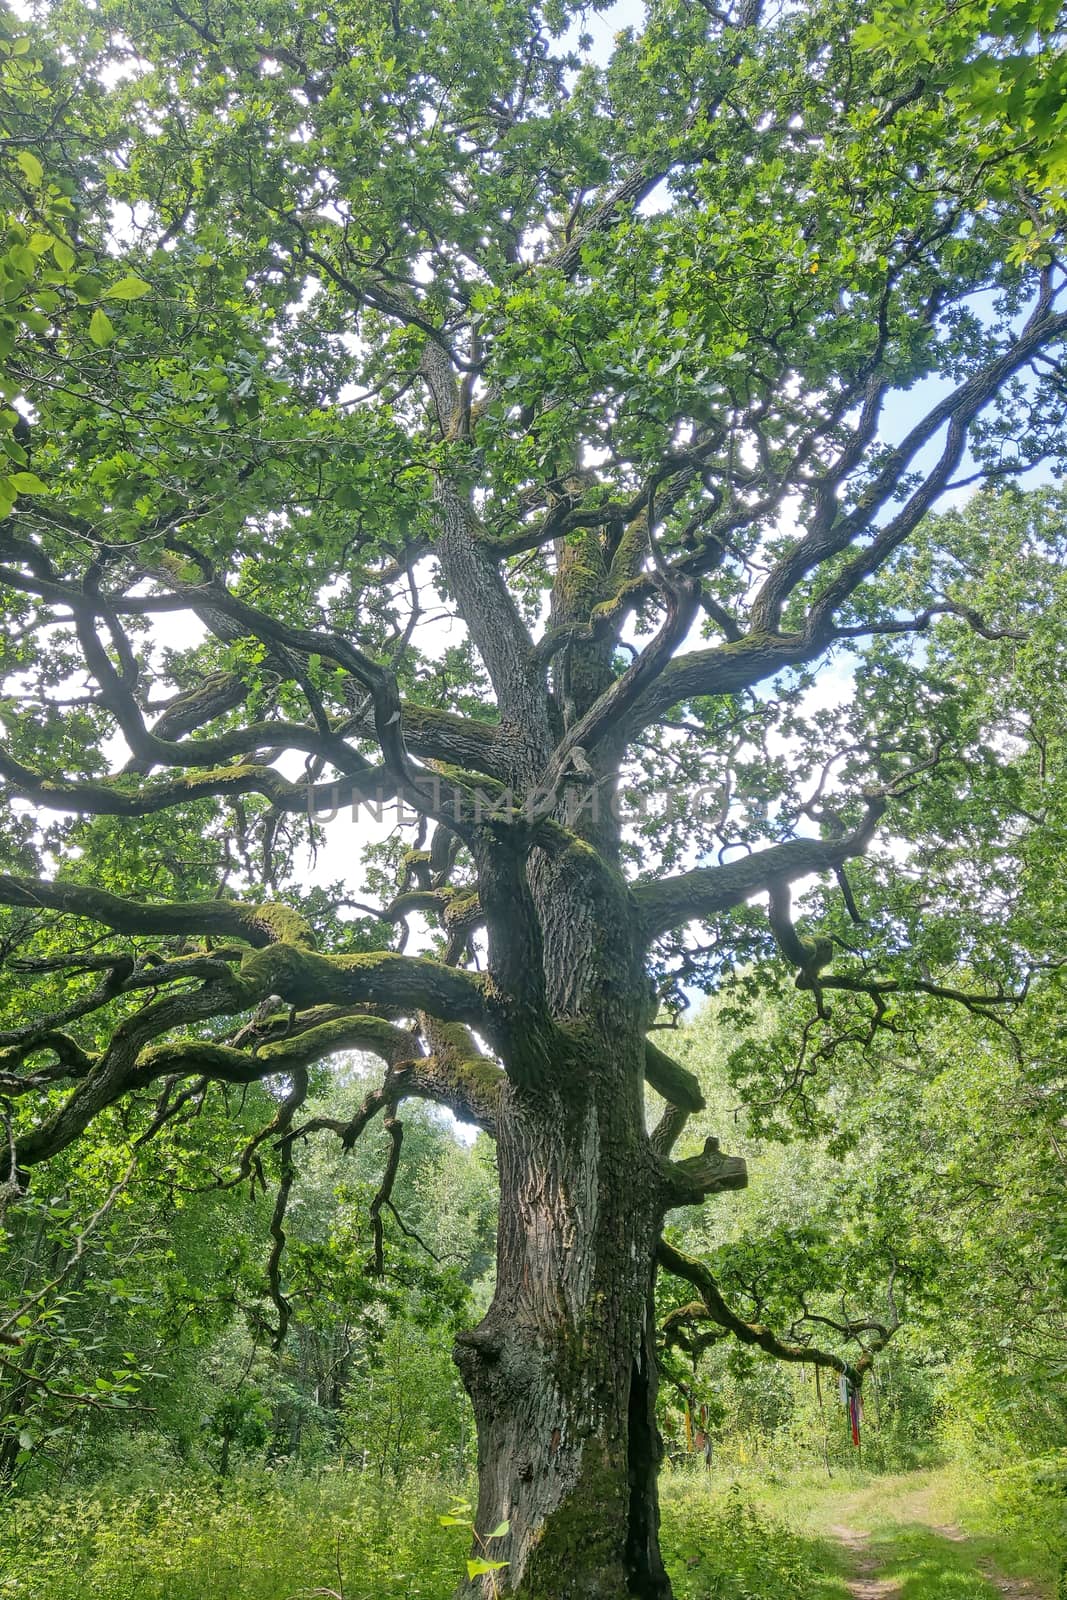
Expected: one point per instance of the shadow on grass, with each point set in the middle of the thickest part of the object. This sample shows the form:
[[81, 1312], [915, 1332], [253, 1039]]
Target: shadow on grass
[[732, 1546], [907, 1563]]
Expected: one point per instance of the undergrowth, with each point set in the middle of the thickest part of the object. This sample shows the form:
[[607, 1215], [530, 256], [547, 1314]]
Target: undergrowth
[[726, 1549], [281, 1536], [259, 1537], [264, 1536]]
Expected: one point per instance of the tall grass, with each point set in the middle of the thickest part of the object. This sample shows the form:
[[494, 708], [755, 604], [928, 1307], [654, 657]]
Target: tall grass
[[260, 1537], [279, 1535], [264, 1536]]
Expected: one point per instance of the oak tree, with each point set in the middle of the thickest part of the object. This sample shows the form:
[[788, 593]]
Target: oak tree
[[428, 403]]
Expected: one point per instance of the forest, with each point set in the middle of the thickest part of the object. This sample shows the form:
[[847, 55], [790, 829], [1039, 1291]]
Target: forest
[[533, 800]]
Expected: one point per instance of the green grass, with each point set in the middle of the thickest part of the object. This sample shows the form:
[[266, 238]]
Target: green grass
[[270, 1537], [928, 1567], [1003, 1526], [263, 1538], [273, 1537], [718, 1545]]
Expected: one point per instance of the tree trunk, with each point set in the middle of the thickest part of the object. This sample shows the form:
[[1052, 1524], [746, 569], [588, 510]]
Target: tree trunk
[[561, 1372]]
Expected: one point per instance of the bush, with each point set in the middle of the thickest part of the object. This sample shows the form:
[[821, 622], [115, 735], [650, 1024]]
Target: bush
[[726, 1550]]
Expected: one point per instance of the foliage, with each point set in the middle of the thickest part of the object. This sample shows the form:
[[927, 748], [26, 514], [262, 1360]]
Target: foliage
[[270, 1537], [1028, 1499], [1002, 68], [416, 406], [160, 1326], [735, 1552]]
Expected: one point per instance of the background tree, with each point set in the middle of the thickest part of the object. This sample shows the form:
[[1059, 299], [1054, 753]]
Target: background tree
[[927, 1155], [422, 316]]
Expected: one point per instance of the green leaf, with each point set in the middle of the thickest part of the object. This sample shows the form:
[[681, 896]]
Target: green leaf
[[30, 166], [500, 1530], [476, 1568], [101, 327], [129, 288], [64, 255], [23, 259], [86, 287], [28, 483]]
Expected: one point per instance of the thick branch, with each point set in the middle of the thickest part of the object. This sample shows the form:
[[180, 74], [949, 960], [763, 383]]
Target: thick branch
[[429, 732], [708, 891], [612, 706], [678, 1086], [224, 1064], [689, 1182], [256, 924]]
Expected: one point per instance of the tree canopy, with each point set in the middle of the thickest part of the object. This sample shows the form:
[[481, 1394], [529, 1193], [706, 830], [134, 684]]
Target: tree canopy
[[416, 404]]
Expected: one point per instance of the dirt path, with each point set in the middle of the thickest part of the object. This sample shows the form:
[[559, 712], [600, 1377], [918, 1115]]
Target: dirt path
[[865, 1584]]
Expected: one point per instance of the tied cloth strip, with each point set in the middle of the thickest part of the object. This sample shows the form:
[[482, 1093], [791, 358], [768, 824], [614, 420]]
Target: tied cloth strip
[[851, 1398]]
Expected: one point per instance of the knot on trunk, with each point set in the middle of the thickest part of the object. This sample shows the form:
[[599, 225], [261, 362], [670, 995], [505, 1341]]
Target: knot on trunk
[[477, 1347]]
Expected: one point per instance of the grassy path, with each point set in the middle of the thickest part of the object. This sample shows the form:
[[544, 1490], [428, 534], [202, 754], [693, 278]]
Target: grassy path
[[898, 1540]]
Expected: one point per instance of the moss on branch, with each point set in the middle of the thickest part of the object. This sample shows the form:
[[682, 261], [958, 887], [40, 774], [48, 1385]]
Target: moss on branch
[[304, 978], [255, 924], [677, 1085], [200, 1058]]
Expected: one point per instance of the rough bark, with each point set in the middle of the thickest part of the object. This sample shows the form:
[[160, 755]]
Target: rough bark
[[561, 1371]]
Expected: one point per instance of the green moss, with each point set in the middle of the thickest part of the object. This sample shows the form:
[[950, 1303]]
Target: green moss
[[313, 1044], [757, 640], [283, 924], [453, 1038], [369, 977], [631, 549], [609, 608], [462, 902], [201, 775], [674, 1082], [580, 1538], [481, 1076], [344, 1033]]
